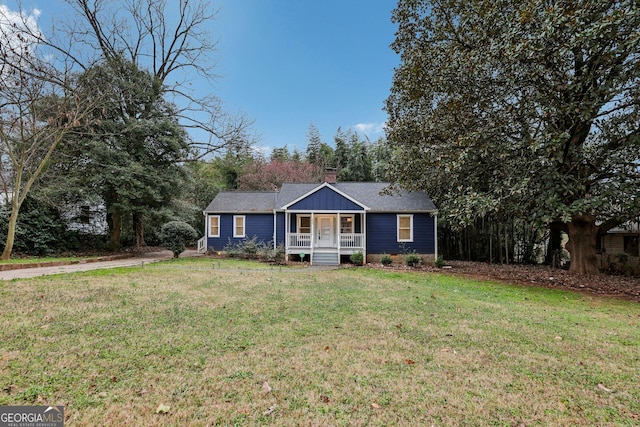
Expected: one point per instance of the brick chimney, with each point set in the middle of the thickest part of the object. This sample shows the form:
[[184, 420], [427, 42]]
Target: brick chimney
[[330, 175]]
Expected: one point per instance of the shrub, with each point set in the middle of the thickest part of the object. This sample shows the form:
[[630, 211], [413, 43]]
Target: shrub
[[246, 249], [357, 258], [175, 235], [439, 262], [275, 256], [40, 230], [386, 259], [413, 259], [255, 249]]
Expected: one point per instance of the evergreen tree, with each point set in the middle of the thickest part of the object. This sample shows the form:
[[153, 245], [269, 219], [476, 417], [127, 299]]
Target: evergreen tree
[[524, 109]]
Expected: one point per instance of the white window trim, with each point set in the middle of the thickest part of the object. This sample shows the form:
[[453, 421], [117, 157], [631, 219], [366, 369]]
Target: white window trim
[[410, 239], [209, 226], [244, 225]]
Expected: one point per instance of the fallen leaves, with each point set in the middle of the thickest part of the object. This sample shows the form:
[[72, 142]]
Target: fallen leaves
[[163, 409], [540, 275], [602, 387], [270, 410], [266, 388]]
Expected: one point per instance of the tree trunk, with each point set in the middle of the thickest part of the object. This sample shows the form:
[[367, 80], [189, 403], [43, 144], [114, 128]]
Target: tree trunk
[[554, 247], [114, 220], [583, 234], [11, 232], [138, 228]]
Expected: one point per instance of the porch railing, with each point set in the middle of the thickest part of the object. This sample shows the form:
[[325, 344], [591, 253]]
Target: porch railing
[[347, 240], [351, 240], [202, 245], [300, 240]]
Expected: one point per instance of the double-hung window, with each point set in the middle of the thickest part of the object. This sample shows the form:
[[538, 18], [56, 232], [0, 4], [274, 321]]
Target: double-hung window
[[214, 226], [238, 226], [346, 224], [304, 224], [405, 228]]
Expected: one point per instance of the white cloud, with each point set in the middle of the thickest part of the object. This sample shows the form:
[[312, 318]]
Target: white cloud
[[19, 31], [370, 129]]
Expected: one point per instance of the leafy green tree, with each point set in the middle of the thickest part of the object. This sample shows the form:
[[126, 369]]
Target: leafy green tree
[[130, 154], [314, 144], [381, 153], [280, 154], [176, 235], [524, 109], [319, 153], [358, 161], [296, 156], [342, 150]]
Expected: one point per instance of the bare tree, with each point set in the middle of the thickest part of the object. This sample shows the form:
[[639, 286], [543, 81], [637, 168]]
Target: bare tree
[[37, 111], [170, 39]]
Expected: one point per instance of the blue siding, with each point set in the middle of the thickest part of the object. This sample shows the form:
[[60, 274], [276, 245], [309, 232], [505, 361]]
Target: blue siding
[[382, 234], [293, 223], [256, 225], [358, 224], [325, 199], [280, 228]]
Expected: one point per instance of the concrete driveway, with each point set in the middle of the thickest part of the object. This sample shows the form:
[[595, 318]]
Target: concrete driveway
[[127, 262]]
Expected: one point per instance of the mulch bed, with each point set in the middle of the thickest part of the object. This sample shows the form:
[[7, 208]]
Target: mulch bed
[[539, 275]]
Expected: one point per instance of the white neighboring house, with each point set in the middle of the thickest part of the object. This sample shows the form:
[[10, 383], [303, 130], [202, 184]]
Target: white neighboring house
[[621, 245], [87, 218]]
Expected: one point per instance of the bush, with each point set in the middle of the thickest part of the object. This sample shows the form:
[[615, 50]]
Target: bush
[[40, 229], [439, 262], [176, 235], [413, 259], [357, 258], [386, 259], [275, 256], [255, 249]]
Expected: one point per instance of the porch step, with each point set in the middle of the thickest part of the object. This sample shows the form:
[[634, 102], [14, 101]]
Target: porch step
[[325, 258]]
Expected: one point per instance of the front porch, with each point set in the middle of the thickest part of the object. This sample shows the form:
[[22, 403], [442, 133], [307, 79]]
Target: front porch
[[323, 238]]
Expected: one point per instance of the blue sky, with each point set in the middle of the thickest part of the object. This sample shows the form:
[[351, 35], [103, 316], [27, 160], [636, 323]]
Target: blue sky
[[289, 63]]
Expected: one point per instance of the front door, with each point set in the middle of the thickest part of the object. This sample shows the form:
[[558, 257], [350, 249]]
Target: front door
[[326, 234]]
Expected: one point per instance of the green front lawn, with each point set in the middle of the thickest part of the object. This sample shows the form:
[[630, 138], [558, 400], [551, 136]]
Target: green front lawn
[[240, 344]]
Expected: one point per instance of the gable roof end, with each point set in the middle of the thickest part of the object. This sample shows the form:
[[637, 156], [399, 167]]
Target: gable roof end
[[318, 188]]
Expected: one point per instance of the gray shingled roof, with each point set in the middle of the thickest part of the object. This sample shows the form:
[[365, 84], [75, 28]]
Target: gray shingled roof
[[369, 194], [242, 202], [366, 193]]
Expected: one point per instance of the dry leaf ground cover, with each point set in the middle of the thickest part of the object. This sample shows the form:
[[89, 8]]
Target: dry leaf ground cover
[[181, 343]]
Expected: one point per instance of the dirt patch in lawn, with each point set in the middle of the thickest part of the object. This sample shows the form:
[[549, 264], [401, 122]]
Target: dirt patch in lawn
[[538, 275]]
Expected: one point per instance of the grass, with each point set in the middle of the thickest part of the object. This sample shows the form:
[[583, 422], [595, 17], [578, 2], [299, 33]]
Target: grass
[[239, 343]]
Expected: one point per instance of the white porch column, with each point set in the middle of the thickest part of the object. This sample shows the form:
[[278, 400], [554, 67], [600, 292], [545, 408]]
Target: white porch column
[[313, 233], [364, 235], [275, 229], [339, 233], [287, 219]]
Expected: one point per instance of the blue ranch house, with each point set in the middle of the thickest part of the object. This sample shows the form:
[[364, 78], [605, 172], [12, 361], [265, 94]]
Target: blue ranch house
[[325, 221]]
